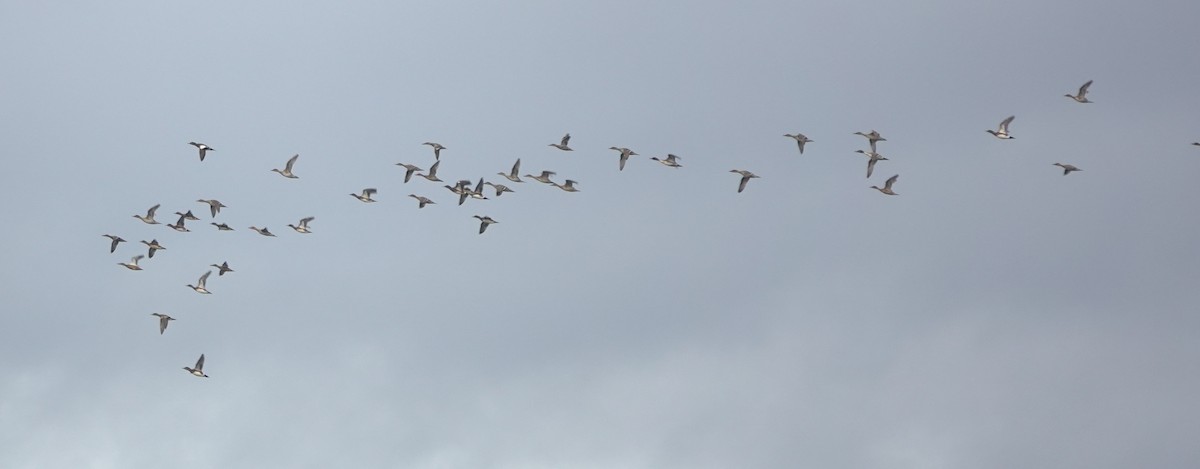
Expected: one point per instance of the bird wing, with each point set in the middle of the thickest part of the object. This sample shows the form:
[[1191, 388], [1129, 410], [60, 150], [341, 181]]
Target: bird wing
[[890, 181], [370, 191], [204, 278], [871, 166], [1084, 89], [150, 213], [566, 138], [291, 161], [162, 323], [742, 185], [433, 169], [304, 221], [1004, 123], [200, 363]]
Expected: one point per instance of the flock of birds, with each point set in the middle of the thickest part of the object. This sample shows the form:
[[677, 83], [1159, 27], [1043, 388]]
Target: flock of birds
[[466, 190]]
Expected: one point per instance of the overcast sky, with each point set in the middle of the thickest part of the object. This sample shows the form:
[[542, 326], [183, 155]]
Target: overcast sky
[[995, 314]]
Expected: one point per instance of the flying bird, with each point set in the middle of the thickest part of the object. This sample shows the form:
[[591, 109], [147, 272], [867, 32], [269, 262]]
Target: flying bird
[[437, 149], [149, 218], [669, 161], [366, 195], [179, 225], [563, 145], [1067, 168], [221, 269], [287, 169], [543, 178], [303, 228], [188, 215], [746, 177], [801, 140], [872, 159], [1081, 97], [262, 231], [1002, 131], [887, 186], [872, 138], [432, 174], [484, 221], [214, 206], [204, 149], [421, 201], [154, 246], [162, 321], [133, 263], [568, 186], [478, 192], [199, 286], [115, 239], [409, 169], [221, 226], [500, 188], [198, 371], [512, 176], [625, 154]]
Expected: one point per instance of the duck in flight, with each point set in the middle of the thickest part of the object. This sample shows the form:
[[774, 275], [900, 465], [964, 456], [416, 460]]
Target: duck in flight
[[432, 174], [746, 177], [1002, 131], [162, 321], [484, 221], [1081, 96], [872, 159], [204, 149], [154, 246], [563, 145], [1067, 168], [262, 231], [221, 269], [872, 138], [421, 201], [670, 161], [568, 186], [437, 149], [133, 263], [366, 195], [500, 188], [149, 218], [214, 206], [303, 227], [199, 286], [115, 240], [512, 175], [543, 178], [287, 169], [409, 169], [198, 371], [801, 140], [221, 226], [625, 154], [887, 186], [179, 225]]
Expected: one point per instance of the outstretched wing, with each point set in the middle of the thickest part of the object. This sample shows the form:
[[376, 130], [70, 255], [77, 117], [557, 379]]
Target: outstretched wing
[[1004, 123]]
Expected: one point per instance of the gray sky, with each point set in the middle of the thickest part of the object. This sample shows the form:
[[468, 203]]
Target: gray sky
[[995, 314]]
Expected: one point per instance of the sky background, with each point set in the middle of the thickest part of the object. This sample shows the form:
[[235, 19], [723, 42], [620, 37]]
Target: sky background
[[995, 314]]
